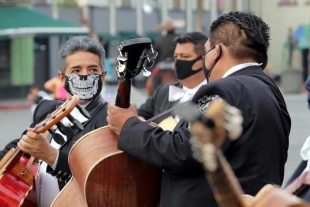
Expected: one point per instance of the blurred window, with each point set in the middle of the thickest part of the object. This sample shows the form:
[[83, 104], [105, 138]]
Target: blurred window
[[126, 3], [5, 62], [176, 4]]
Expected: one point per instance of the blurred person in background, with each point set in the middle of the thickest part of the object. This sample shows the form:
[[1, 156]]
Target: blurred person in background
[[165, 45], [188, 56], [55, 86], [163, 73], [35, 95]]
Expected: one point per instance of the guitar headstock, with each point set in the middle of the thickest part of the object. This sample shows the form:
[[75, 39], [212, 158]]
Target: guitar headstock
[[134, 55], [61, 112], [210, 129]]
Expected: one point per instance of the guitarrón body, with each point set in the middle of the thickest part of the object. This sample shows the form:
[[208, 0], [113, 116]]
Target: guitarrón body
[[115, 179]]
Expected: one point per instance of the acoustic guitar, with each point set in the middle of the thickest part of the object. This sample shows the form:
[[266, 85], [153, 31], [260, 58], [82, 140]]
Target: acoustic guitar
[[18, 173], [209, 130], [103, 175]]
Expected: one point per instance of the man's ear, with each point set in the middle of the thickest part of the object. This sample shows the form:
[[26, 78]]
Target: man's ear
[[104, 73], [218, 52], [62, 78]]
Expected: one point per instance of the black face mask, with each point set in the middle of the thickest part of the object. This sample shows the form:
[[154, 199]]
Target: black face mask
[[207, 71], [86, 87], [183, 68]]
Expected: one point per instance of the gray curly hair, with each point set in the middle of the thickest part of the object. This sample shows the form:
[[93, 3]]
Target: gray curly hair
[[80, 43]]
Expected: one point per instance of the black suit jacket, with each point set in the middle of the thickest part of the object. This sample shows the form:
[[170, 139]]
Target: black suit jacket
[[158, 103], [97, 110], [257, 158]]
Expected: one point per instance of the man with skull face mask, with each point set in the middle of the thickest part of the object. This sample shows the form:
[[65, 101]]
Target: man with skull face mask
[[236, 54], [81, 65], [188, 61]]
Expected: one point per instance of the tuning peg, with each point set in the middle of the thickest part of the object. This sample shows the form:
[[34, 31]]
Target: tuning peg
[[121, 68], [83, 111], [65, 130], [209, 157], [122, 58], [148, 63], [57, 137], [75, 122], [120, 78], [234, 131], [153, 55], [146, 73]]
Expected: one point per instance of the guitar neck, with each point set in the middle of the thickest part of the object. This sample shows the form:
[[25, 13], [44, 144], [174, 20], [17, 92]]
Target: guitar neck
[[299, 184], [123, 94], [224, 184]]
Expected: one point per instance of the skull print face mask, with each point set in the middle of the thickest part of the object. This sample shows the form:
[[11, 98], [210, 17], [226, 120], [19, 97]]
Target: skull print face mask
[[86, 87]]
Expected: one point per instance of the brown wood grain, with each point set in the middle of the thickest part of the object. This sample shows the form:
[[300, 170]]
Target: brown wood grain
[[70, 196], [106, 176], [123, 94]]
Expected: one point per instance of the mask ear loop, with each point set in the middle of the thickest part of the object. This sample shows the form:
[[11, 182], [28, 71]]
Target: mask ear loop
[[217, 59]]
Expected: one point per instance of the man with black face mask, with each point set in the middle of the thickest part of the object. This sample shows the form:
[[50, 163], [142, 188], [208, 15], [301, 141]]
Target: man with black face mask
[[81, 69], [188, 61], [236, 54]]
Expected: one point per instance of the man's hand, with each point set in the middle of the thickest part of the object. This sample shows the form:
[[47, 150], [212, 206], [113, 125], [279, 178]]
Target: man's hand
[[118, 116], [38, 147]]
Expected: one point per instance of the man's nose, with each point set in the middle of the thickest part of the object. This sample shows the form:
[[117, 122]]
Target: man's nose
[[84, 71]]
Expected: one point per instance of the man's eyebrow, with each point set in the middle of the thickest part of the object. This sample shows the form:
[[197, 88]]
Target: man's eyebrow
[[74, 66], [94, 65]]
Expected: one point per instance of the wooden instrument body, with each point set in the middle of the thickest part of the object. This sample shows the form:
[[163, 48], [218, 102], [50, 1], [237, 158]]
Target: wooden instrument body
[[18, 173], [16, 185], [105, 176]]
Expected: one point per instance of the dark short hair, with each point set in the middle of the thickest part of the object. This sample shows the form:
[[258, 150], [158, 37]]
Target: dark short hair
[[80, 43], [245, 35], [197, 38]]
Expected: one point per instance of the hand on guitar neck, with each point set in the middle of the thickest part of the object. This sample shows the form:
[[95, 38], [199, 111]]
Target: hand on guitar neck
[[118, 116], [37, 146], [209, 131]]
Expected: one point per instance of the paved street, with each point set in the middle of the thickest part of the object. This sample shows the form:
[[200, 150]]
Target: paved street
[[13, 122]]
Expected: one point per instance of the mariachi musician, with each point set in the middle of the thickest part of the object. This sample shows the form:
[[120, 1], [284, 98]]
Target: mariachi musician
[[82, 71], [234, 66], [188, 60]]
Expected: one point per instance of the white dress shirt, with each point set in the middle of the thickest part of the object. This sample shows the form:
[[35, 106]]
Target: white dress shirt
[[183, 94], [239, 67]]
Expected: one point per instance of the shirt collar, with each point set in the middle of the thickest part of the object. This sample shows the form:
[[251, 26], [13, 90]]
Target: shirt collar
[[239, 67], [183, 94], [195, 89]]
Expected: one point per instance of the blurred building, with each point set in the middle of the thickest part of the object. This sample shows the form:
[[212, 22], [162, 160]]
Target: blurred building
[[25, 47], [280, 16], [115, 20]]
